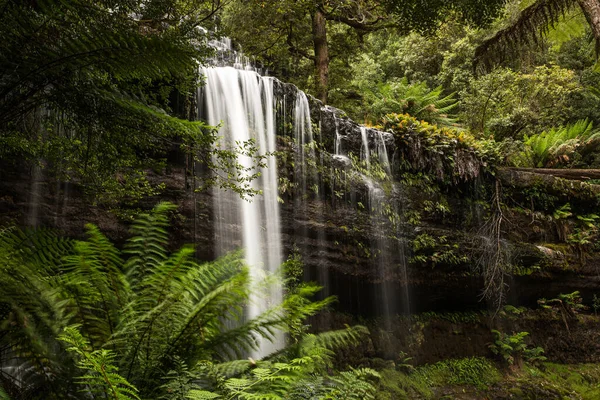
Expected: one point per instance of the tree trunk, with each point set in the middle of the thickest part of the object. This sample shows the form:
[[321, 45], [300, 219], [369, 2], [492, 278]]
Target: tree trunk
[[591, 9], [321, 54]]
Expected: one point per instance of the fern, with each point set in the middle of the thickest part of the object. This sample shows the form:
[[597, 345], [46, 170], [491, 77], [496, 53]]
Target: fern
[[353, 385], [95, 284], [154, 320], [33, 311], [202, 395], [415, 99], [100, 377], [531, 25], [558, 145]]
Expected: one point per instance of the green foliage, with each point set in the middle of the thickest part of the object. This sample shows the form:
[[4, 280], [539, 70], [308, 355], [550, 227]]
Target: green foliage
[[423, 381], [414, 99], [448, 155], [508, 104], [558, 146], [546, 380], [567, 305], [293, 269], [299, 372], [101, 377], [426, 16], [513, 349], [571, 301], [562, 212], [579, 380], [146, 319], [428, 250], [512, 311], [96, 92]]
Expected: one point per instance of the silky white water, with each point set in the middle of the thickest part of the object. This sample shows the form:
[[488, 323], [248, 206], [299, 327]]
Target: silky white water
[[303, 134], [242, 103], [383, 154], [364, 154]]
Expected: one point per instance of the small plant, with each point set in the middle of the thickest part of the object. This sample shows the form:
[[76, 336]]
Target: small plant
[[293, 268], [513, 349], [569, 305], [509, 310]]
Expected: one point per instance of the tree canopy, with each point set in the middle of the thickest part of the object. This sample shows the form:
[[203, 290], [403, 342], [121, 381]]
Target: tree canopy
[[100, 88]]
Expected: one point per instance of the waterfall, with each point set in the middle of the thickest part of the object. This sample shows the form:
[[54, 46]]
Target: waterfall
[[243, 103], [383, 154], [303, 135], [364, 154], [384, 245], [338, 138]]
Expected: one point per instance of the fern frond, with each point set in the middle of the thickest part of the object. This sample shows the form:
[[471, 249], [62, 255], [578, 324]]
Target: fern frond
[[202, 395], [549, 147], [415, 99], [101, 375], [288, 316], [96, 285], [146, 248], [532, 23], [334, 340], [356, 384]]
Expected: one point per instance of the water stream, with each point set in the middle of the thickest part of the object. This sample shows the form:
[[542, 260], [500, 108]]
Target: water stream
[[243, 103]]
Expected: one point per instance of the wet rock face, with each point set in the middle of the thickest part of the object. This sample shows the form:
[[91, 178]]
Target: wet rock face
[[328, 122], [433, 337]]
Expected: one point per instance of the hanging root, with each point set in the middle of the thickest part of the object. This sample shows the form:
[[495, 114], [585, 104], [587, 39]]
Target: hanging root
[[494, 263]]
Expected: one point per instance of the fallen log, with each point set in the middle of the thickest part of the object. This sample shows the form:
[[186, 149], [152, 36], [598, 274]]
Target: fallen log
[[522, 178], [573, 174]]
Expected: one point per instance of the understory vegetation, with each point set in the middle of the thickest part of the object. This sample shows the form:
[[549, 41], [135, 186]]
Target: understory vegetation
[[82, 319]]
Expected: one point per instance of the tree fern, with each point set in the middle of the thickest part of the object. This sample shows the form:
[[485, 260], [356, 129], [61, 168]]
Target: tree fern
[[415, 99], [33, 311], [557, 146], [533, 22], [95, 285], [155, 320], [146, 248]]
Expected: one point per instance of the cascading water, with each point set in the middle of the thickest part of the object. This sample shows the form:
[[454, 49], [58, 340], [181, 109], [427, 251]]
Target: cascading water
[[303, 135], [384, 245], [364, 153], [225, 55], [243, 103], [383, 154]]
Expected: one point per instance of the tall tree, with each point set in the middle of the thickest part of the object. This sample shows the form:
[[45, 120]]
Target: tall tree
[[282, 25]]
